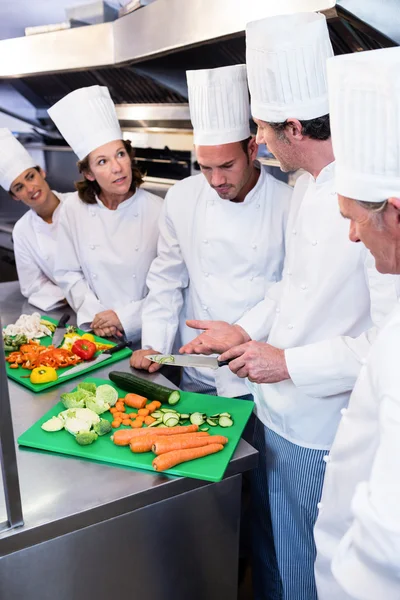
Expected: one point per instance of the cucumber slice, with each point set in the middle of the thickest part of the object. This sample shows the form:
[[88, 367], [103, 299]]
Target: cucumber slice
[[185, 416], [155, 423], [174, 398], [172, 422], [204, 428], [157, 414], [169, 415], [197, 418], [225, 415], [215, 416], [225, 422], [211, 422], [167, 410]]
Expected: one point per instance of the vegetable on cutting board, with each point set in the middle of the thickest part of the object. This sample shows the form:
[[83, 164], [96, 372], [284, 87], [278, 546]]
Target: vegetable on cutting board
[[123, 437], [177, 442], [85, 349], [145, 443], [130, 383], [43, 375], [166, 461]]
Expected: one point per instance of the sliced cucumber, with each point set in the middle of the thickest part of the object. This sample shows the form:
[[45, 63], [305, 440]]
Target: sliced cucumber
[[170, 415], [172, 422], [185, 416], [174, 398], [197, 418], [155, 423], [157, 414], [215, 416], [211, 422], [225, 415], [225, 421], [204, 428]]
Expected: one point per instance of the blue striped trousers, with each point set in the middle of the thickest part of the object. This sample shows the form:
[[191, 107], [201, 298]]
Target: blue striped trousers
[[286, 488]]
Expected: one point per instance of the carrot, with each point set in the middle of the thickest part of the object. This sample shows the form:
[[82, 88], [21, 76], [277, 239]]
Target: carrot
[[113, 410], [135, 401], [157, 403], [123, 437], [120, 407], [137, 424], [151, 407], [145, 443], [121, 400], [164, 444], [176, 457], [149, 420], [143, 412], [127, 422], [116, 423]]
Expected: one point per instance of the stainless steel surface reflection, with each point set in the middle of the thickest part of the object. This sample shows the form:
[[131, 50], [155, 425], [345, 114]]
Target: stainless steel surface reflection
[[62, 494]]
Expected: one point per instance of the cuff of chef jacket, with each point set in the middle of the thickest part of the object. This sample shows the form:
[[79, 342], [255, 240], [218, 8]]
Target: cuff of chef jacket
[[87, 312], [131, 320], [322, 369], [155, 335], [257, 328], [46, 303], [358, 575]]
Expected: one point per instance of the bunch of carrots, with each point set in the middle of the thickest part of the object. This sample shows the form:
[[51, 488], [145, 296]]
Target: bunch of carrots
[[138, 419], [171, 445]]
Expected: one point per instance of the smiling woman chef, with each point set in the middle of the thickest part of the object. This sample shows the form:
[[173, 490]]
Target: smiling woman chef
[[108, 232], [34, 235]]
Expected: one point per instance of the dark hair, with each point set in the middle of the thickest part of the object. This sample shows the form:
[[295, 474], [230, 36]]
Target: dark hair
[[37, 168], [87, 190], [316, 129], [245, 146]]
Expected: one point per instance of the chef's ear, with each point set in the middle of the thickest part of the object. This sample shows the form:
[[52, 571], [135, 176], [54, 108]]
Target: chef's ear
[[42, 172], [88, 175], [395, 202], [293, 129], [252, 149]]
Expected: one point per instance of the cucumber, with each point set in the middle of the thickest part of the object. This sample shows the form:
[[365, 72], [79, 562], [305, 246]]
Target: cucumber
[[185, 416], [157, 414], [153, 391], [225, 422], [170, 415], [197, 418], [171, 422], [225, 415], [204, 428], [211, 422], [215, 416], [155, 423]]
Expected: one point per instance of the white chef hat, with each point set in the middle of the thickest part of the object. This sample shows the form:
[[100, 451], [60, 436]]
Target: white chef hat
[[286, 66], [219, 105], [364, 96], [86, 118], [14, 159]]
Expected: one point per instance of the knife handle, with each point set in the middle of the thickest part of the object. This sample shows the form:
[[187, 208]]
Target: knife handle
[[120, 346], [63, 320], [224, 363]]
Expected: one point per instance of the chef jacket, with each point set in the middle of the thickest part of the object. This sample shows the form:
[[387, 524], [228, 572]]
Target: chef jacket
[[35, 250], [103, 257], [358, 529], [215, 260], [320, 313]]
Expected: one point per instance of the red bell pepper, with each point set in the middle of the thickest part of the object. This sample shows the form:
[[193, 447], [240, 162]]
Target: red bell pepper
[[85, 349]]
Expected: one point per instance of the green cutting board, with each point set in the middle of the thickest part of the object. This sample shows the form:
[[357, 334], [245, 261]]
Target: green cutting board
[[209, 468], [18, 374]]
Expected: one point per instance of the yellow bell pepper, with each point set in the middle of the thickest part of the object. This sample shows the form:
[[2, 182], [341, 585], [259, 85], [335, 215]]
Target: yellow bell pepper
[[89, 336], [43, 375]]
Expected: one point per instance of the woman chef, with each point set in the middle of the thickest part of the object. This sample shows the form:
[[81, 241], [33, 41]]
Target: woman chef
[[34, 235], [108, 232]]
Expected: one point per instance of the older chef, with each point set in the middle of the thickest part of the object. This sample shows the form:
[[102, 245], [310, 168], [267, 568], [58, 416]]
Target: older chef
[[358, 528], [108, 231], [318, 313], [221, 232], [34, 234]]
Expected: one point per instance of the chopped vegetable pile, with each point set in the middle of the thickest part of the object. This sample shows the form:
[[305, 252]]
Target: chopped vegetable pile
[[32, 355], [32, 326]]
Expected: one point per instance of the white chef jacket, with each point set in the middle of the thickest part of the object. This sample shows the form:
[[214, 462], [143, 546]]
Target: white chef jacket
[[359, 520], [318, 313], [35, 250], [103, 257], [215, 260]]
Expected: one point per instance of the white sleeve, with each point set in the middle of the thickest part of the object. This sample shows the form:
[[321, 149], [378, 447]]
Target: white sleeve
[[332, 366], [131, 319], [35, 285], [167, 279], [367, 561], [257, 322], [69, 276]]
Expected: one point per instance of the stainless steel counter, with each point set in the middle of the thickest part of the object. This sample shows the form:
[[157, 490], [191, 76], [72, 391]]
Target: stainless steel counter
[[62, 495]]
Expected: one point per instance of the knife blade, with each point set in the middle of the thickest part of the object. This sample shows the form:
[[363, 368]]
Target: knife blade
[[105, 355], [59, 333], [188, 360]]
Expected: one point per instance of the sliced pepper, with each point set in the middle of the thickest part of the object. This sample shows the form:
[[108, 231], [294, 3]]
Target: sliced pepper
[[85, 349], [43, 375], [89, 336]]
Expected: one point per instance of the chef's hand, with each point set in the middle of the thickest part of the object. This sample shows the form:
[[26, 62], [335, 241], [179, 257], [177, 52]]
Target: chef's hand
[[107, 332], [107, 320], [218, 336], [139, 361], [260, 362]]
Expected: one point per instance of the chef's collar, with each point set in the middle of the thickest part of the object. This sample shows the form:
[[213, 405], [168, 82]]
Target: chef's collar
[[327, 174], [122, 206], [42, 222]]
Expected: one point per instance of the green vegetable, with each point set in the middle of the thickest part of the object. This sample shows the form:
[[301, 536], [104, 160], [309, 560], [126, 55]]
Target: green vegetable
[[13, 343], [102, 427], [96, 405], [74, 425], [53, 424], [85, 438], [48, 324], [87, 415], [74, 399], [88, 387], [130, 383], [107, 394]]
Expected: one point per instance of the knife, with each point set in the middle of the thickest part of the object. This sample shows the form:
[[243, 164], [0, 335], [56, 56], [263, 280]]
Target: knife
[[59, 333], [188, 360], [105, 355]]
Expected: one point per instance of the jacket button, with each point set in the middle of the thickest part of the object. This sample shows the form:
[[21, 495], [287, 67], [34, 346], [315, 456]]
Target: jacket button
[[205, 308], [205, 241], [254, 246], [319, 505], [314, 243], [206, 274], [294, 232], [92, 247], [257, 206], [363, 361], [343, 411], [94, 275], [134, 276], [136, 248], [277, 310], [290, 326], [326, 458], [303, 286]]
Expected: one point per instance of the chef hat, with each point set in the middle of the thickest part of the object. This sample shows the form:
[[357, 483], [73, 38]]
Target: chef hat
[[86, 118], [219, 105], [286, 66], [364, 96], [14, 159]]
